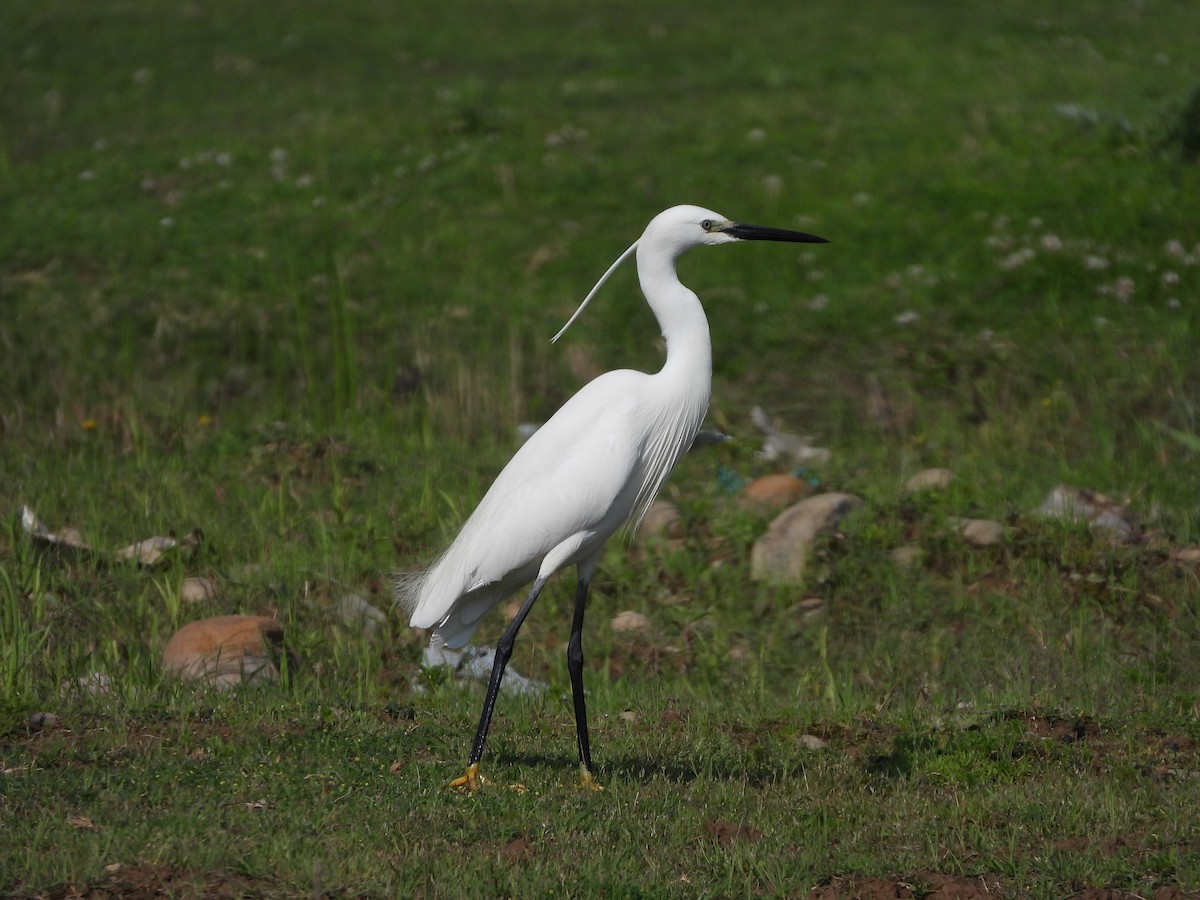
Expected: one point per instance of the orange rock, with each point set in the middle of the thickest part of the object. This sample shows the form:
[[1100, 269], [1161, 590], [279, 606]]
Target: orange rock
[[226, 650], [774, 490]]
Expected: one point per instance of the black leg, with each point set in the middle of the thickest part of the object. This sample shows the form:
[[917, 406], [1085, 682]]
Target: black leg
[[503, 652], [575, 668]]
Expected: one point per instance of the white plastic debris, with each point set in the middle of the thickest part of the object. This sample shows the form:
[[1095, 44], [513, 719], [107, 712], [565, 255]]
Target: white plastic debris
[[475, 664], [781, 444]]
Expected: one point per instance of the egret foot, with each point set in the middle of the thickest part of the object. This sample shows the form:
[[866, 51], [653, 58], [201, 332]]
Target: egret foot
[[470, 780], [588, 781]]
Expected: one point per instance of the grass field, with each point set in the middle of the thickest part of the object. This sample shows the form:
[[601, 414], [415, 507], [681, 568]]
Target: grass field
[[287, 274]]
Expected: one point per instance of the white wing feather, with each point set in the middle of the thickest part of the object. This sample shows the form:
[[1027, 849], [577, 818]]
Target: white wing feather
[[572, 481]]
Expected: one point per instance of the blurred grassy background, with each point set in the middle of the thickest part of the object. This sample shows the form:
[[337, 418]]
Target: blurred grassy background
[[288, 274]]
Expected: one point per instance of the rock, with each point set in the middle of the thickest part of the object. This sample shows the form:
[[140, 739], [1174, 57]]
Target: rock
[[907, 556], [772, 491], [979, 532], [628, 621], [806, 609], [225, 651], [928, 479], [811, 742], [194, 589], [662, 520], [95, 683], [1080, 504], [355, 612], [41, 720], [779, 555]]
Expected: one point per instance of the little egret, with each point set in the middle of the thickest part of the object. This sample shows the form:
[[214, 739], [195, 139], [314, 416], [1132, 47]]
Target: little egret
[[594, 466]]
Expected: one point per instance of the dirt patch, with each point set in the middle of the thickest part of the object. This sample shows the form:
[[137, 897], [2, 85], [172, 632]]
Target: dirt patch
[[728, 833], [143, 882], [920, 884], [928, 885], [1060, 729], [1163, 893]]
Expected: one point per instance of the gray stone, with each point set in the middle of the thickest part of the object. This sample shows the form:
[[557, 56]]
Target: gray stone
[[980, 532], [811, 742], [779, 555], [196, 589], [628, 621], [928, 479], [355, 612], [1083, 505], [907, 556], [662, 521]]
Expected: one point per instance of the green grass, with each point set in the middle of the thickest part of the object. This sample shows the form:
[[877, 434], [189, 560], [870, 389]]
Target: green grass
[[288, 274]]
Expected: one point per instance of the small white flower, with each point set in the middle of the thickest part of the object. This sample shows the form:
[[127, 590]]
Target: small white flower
[[278, 155], [1173, 303], [185, 163], [756, 135], [1095, 263], [862, 198], [907, 317], [318, 201], [818, 302], [772, 184], [166, 221], [1174, 248], [1169, 278], [87, 175], [1051, 243], [1035, 222], [816, 275], [1017, 259], [304, 181], [1101, 322], [224, 158], [100, 144], [143, 76]]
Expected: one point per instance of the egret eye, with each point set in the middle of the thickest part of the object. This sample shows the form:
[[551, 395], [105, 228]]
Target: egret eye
[[707, 224]]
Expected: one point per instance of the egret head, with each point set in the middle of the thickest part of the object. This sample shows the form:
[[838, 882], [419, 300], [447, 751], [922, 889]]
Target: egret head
[[682, 227]]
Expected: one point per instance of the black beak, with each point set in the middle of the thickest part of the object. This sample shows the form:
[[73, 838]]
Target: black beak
[[761, 233]]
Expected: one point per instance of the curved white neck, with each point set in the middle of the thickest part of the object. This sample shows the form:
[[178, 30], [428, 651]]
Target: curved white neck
[[680, 317]]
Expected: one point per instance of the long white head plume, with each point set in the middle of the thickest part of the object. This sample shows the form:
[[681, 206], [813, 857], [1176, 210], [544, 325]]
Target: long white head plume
[[592, 293]]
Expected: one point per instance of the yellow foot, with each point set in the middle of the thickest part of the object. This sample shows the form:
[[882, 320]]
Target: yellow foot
[[470, 780], [588, 781]]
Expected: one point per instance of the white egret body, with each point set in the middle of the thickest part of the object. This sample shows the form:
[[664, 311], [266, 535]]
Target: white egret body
[[594, 466]]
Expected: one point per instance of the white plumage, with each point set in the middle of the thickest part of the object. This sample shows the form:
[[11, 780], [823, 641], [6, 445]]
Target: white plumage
[[595, 465]]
